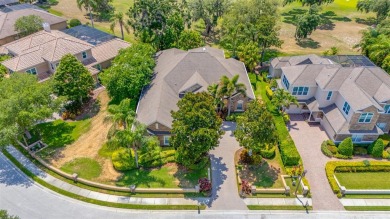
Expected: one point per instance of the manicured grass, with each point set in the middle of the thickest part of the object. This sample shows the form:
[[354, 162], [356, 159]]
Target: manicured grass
[[278, 207], [93, 201], [367, 196], [60, 133], [167, 176], [262, 176], [289, 183], [367, 208], [364, 180], [86, 168]]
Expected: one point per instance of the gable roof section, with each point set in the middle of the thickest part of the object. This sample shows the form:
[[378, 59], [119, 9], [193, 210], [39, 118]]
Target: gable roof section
[[7, 20], [177, 71], [299, 60]]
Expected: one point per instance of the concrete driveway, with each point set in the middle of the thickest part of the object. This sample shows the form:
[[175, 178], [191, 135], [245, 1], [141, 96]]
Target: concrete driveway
[[308, 139]]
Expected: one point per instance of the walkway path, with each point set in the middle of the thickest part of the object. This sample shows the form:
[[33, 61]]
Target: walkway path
[[225, 191], [97, 195], [308, 141]]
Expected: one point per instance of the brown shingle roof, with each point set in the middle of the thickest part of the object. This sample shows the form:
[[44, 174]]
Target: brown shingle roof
[[7, 20]]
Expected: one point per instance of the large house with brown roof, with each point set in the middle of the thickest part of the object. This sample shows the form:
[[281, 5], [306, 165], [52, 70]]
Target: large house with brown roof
[[178, 72], [349, 98], [9, 16], [40, 53]]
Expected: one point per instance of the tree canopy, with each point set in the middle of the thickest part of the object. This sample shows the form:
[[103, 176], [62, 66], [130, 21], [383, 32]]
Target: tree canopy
[[131, 70], [283, 99], [228, 87], [380, 7], [72, 79], [189, 39], [27, 25], [307, 22], [196, 128], [249, 54], [23, 103], [309, 2], [158, 22], [251, 21], [255, 127]]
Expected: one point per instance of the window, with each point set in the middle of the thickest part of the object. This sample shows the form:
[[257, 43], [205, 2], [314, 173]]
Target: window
[[52, 66], [366, 117], [285, 82], [387, 109], [346, 108], [166, 139], [32, 71], [300, 90], [240, 104], [10, 71], [84, 54], [330, 93], [357, 138], [381, 125], [98, 67]]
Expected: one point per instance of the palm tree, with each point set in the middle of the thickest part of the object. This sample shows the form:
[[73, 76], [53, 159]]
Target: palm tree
[[118, 18], [88, 5], [214, 91], [230, 87], [380, 49], [122, 114], [283, 99]]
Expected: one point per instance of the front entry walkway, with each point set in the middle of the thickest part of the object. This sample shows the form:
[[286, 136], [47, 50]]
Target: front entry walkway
[[225, 191], [308, 139]]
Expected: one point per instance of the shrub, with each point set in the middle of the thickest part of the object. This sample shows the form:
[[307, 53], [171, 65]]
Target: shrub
[[74, 22], [333, 149], [346, 147], [269, 92], [340, 156], [200, 165], [289, 152], [245, 187], [257, 158], [245, 158], [286, 118], [122, 160], [360, 151], [325, 150], [376, 148], [268, 153], [385, 155], [330, 142], [204, 185]]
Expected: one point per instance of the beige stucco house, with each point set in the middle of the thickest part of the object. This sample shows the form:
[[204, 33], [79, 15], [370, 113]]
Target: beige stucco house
[[347, 100], [178, 72], [40, 53]]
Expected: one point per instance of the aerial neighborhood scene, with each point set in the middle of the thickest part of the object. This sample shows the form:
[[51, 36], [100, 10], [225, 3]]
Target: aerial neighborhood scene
[[194, 108]]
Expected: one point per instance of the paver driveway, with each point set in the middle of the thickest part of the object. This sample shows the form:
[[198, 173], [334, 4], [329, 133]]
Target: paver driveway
[[308, 139], [225, 192]]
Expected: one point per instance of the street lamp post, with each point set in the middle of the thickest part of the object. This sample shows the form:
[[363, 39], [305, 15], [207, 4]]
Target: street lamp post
[[299, 183]]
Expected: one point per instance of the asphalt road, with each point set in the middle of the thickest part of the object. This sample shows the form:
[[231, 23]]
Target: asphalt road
[[28, 200]]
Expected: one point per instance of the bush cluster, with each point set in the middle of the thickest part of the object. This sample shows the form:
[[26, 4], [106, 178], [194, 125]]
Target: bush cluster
[[122, 160], [346, 147], [74, 22], [376, 148], [254, 159], [325, 150], [360, 151], [289, 152], [269, 92], [268, 153]]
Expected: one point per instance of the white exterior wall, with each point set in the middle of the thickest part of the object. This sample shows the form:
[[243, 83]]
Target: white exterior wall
[[328, 128], [340, 103], [321, 96]]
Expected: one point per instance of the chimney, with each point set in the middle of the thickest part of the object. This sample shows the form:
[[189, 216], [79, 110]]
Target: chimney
[[46, 27]]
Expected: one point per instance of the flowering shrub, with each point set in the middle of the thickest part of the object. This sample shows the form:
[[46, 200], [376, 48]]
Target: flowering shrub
[[204, 185], [245, 187]]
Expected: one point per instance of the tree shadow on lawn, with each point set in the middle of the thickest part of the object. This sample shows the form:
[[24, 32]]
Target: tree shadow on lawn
[[290, 17], [308, 43], [327, 19], [56, 134], [262, 175], [218, 169], [369, 21], [141, 178], [189, 178]]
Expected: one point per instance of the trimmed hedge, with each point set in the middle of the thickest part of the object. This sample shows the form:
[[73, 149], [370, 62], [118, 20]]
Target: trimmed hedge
[[325, 150], [353, 166], [346, 147], [122, 160], [376, 148], [270, 153], [269, 92]]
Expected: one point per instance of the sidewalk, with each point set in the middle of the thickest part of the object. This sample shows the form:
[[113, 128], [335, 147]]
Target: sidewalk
[[365, 202], [97, 195], [277, 201]]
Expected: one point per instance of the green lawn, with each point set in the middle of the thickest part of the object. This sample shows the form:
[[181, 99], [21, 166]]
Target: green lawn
[[367, 208], [278, 207], [86, 168], [364, 180], [168, 176], [59, 133]]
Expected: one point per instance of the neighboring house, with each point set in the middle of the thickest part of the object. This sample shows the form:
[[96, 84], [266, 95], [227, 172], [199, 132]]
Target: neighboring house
[[178, 72], [4, 3], [7, 22], [348, 100], [40, 53]]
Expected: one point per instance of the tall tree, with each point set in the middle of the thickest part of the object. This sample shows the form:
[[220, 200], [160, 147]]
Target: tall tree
[[72, 79], [380, 7], [88, 6], [171, 33], [249, 54], [121, 114], [27, 25], [283, 99], [189, 39], [130, 71], [196, 128], [119, 19], [307, 23], [230, 87], [255, 127], [215, 92], [209, 11], [308, 2], [23, 103], [150, 19]]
